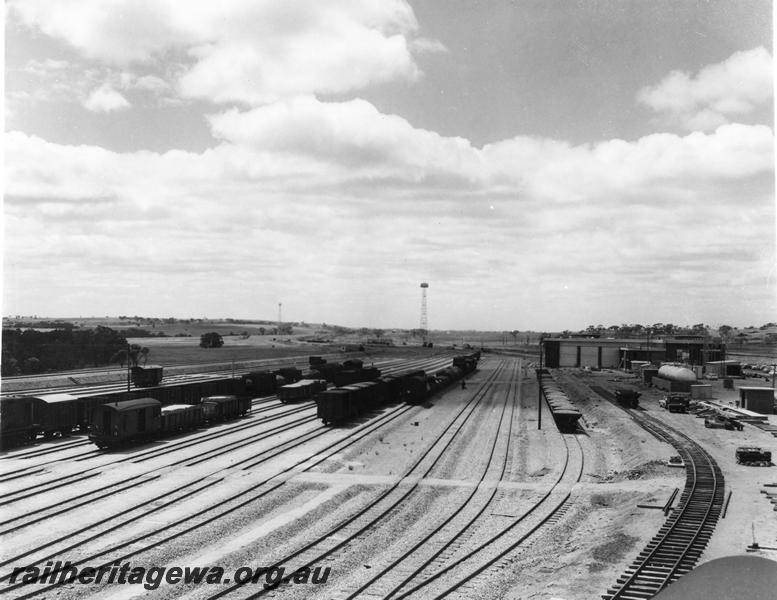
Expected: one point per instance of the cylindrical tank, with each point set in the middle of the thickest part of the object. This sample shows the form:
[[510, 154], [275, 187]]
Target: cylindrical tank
[[673, 373]]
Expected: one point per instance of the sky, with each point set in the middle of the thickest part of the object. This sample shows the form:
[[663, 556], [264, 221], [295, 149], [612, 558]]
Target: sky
[[543, 165]]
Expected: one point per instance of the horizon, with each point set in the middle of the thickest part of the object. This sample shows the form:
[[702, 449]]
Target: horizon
[[235, 321]]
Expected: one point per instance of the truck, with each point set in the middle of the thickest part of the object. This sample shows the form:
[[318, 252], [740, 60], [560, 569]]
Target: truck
[[675, 402]]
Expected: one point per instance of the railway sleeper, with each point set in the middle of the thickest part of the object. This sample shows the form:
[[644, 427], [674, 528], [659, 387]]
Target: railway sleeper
[[643, 578], [674, 542], [648, 591], [676, 570], [672, 553]]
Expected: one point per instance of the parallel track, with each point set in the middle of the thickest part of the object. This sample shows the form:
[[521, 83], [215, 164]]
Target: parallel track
[[354, 526], [202, 518]]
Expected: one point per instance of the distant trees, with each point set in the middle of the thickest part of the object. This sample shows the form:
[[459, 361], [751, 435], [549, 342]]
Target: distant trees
[[30, 351], [134, 354], [212, 339], [638, 330]]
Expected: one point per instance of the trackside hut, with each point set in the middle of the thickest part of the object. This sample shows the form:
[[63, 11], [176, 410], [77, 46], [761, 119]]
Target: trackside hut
[[757, 399]]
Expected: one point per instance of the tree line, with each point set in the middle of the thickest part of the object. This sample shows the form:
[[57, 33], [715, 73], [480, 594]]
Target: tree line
[[29, 351]]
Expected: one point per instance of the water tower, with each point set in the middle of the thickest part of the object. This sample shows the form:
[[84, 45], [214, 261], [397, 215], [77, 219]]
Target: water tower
[[424, 320]]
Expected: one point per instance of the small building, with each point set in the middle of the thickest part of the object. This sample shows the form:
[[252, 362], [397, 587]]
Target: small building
[[648, 373], [701, 391], [757, 399], [724, 368]]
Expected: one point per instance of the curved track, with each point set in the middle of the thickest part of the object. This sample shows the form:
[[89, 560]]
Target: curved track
[[680, 542]]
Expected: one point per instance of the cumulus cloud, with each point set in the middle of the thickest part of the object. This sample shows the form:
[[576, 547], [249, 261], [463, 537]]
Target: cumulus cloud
[[717, 93], [561, 216], [349, 134], [243, 50], [105, 99]]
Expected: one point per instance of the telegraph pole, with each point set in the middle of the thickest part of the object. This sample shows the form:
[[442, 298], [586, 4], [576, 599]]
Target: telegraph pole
[[129, 377], [539, 390]]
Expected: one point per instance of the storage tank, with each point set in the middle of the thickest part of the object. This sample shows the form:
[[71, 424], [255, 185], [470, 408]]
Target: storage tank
[[673, 373]]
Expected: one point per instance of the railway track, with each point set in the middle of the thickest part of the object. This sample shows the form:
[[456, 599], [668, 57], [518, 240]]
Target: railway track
[[173, 530], [187, 374], [389, 578], [459, 575], [365, 518], [679, 544], [183, 526]]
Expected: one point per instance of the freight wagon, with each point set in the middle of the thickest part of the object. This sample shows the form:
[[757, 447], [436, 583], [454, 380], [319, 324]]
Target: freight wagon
[[118, 423], [326, 371], [288, 375], [415, 387], [564, 412], [304, 389], [223, 408], [17, 421], [351, 376], [346, 402], [259, 383], [25, 417], [181, 417], [149, 375], [627, 397]]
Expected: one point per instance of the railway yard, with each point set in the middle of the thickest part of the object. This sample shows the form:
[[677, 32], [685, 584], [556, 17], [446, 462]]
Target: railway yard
[[464, 490]]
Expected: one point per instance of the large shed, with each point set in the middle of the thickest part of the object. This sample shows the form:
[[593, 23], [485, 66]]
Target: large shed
[[757, 399], [620, 353]]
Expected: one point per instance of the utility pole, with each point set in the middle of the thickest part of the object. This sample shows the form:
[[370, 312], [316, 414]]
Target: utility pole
[[424, 317], [539, 390], [129, 377]]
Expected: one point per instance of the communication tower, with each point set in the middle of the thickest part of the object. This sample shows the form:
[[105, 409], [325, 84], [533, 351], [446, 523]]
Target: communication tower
[[279, 316], [424, 321]]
